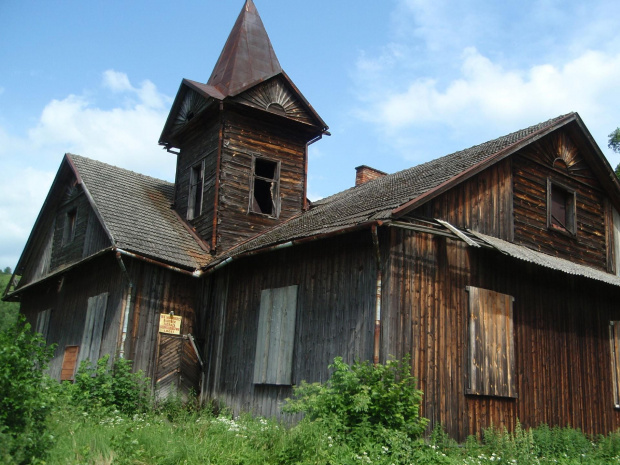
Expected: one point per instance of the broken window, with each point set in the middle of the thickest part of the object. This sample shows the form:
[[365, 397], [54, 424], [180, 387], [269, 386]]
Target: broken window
[[68, 233], [196, 181], [614, 340], [491, 353], [265, 197], [560, 208], [273, 362]]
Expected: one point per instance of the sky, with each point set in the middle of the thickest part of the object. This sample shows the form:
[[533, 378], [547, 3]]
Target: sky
[[398, 82]]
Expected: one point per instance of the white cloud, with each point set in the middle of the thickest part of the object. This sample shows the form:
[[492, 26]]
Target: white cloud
[[124, 135], [487, 94]]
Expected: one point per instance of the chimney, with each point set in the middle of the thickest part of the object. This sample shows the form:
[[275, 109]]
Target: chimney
[[364, 173]]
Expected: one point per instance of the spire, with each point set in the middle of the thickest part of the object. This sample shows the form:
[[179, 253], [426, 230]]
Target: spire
[[247, 57]]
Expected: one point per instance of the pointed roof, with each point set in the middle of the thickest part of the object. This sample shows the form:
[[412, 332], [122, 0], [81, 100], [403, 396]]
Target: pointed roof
[[247, 57], [393, 196]]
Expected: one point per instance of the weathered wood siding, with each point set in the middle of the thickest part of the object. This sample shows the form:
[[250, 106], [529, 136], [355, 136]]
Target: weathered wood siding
[[482, 203], [555, 157], [71, 251], [561, 334], [245, 137], [67, 296], [199, 144], [335, 317], [156, 290]]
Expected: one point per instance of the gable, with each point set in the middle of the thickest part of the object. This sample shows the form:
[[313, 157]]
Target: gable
[[278, 97]]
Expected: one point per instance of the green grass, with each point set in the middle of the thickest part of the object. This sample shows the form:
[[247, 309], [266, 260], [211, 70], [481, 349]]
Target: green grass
[[202, 438]]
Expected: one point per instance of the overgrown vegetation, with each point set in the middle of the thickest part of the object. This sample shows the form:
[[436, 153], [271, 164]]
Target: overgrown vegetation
[[8, 310], [362, 415]]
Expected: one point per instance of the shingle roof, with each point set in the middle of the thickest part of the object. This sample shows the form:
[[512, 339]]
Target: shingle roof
[[377, 199], [136, 211]]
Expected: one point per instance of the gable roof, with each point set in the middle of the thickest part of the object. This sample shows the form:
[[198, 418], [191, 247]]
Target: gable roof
[[394, 195], [136, 212], [247, 57]]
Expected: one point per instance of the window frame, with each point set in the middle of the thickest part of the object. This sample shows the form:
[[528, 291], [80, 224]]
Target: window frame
[[275, 187], [570, 208], [490, 354], [196, 178]]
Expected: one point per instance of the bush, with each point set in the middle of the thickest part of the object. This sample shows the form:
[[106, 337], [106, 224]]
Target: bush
[[25, 394], [364, 401], [99, 387]]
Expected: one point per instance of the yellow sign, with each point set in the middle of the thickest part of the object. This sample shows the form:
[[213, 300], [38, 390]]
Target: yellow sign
[[170, 324]]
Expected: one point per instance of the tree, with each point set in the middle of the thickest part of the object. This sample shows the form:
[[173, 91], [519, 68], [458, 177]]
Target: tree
[[614, 140], [7, 270]]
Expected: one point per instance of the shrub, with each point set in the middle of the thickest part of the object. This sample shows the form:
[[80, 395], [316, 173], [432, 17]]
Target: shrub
[[25, 397], [363, 400], [102, 387]]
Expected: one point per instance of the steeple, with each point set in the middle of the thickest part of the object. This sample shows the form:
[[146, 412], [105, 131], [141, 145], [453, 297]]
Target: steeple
[[247, 58]]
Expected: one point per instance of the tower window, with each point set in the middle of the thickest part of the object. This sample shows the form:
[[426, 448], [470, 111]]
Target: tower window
[[561, 211], [196, 178], [265, 187]]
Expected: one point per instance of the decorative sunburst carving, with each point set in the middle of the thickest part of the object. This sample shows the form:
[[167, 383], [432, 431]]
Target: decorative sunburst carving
[[560, 152], [276, 97], [190, 107]]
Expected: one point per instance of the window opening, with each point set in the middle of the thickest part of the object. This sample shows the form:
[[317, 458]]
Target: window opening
[[265, 183], [69, 229], [195, 191], [561, 208]]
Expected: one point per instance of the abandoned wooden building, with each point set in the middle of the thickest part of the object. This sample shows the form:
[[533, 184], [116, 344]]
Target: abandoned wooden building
[[496, 267]]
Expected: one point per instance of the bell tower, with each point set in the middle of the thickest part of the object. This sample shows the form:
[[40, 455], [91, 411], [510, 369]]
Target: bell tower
[[241, 141]]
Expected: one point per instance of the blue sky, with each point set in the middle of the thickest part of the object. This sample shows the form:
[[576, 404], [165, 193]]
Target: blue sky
[[399, 82]]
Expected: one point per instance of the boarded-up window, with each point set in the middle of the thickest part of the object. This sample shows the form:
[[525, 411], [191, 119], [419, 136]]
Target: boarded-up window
[[43, 322], [491, 353], [275, 339], [93, 327], [614, 339], [69, 362]]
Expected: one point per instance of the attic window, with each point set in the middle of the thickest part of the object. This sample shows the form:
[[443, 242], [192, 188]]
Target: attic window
[[196, 177], [265, 187], [277, 108], [561, 211], [68, 233]]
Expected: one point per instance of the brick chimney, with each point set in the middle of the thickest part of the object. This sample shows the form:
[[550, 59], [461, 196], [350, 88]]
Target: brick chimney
[[364, 173]]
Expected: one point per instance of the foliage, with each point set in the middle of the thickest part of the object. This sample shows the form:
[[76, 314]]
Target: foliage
[[101, 387], [25, 394], [8, 310], [363, 402], [614, 140]]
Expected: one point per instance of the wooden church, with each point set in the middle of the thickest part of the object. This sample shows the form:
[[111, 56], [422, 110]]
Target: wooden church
[[496, 267]]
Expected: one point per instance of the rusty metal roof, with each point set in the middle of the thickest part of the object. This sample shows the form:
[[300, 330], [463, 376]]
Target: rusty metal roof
[[247, 58]]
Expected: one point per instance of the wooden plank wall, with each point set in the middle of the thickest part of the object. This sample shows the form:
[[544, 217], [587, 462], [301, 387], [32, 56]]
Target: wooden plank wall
[[532, 167], [156, 290], [482, 203], [335, 317], [243, 138], [200, 144], [561, 336], [63, 254], [68, 295]]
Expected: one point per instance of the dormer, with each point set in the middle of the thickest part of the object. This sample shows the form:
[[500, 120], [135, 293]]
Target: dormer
[[241, 141]]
